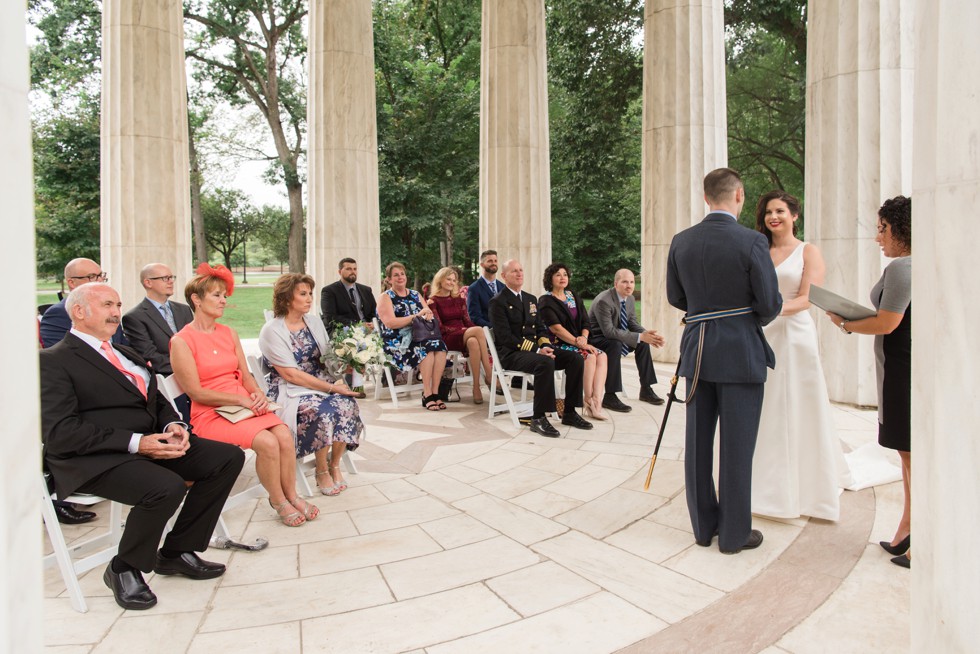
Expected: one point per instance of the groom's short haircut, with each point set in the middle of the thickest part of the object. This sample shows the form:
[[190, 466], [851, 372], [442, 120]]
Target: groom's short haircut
[[721, 184]]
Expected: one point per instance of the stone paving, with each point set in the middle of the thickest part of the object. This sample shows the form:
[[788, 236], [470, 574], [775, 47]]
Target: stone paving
[[462, 534]]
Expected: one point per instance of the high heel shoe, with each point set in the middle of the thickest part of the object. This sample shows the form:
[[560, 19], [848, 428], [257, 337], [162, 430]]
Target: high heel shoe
[[594, 409], [903, 561], [477, 394], [900, 549], [339, 485], [329, 491]]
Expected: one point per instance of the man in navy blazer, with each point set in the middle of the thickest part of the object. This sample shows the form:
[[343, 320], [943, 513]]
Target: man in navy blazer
[[719, 265], [55, 322], [483, 290]]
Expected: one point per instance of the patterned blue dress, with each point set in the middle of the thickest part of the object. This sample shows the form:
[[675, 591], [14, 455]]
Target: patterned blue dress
[[321, 420], [398, 342]]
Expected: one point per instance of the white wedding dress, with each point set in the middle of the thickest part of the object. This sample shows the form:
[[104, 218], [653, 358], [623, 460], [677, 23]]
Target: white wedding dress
[[798, 468]]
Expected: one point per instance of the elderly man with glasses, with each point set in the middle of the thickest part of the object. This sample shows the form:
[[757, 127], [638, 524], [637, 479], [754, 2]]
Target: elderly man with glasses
[[55, 322]]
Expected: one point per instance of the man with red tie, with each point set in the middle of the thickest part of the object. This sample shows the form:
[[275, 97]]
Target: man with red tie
[[107, 431]]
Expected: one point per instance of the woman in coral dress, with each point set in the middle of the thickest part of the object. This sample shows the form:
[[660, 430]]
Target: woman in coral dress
[[209, 364]]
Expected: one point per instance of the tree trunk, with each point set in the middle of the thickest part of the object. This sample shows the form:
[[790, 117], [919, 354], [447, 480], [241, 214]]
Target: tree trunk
[[197, 216], [297, 253], [449, 229]]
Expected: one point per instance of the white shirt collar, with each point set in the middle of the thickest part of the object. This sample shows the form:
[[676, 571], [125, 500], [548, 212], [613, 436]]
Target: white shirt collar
[[90, 340]]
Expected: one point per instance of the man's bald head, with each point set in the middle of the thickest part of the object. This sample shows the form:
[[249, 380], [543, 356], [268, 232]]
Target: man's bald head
[[82, 271], [513, 273], [624, 283]]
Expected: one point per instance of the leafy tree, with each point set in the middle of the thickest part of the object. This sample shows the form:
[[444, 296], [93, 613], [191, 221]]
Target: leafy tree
[[253, 53], [766, 76], [272, 230], [427, 53], [596, 73], [229, 219]]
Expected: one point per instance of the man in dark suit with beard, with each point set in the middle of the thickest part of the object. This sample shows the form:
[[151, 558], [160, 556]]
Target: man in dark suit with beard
[[523, 344], [346, 302], [108, 431], [720, 274]]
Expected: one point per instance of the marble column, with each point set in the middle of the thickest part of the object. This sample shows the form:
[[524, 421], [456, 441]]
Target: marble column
[[21, 615], [858, 153], [685, 134], [146, 215], [945, 369], [515, 171], [343, 214]]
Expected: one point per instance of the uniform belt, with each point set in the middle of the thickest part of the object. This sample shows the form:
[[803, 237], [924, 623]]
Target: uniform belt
[[699, 320]]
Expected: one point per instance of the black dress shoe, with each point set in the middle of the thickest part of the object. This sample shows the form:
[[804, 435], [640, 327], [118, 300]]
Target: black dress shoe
[[613, 403], [573, 419], [707, 543], [648, 395], [188, 564], [543, 427], [755, 539], [902, 561], [902, 547], [129, 589], [70, 516]]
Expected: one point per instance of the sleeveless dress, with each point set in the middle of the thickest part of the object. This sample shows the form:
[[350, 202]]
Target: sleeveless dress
[[798, 466], [398, 342], [321, 419], [453, 319], [217, 368]]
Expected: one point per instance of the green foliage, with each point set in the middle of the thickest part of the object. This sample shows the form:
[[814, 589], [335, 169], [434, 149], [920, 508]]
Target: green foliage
[[272, 232], [66, 188], [427, 55], [229, 219], [766, 52], [596, 73], [66, 58]]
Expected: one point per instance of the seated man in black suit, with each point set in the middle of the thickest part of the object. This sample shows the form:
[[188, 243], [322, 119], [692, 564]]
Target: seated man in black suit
[[523, 344], [107, 431], [150, 324], [346, 302]]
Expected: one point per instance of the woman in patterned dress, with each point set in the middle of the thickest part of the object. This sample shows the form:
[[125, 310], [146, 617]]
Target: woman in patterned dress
[[318, 408], [397, 308]]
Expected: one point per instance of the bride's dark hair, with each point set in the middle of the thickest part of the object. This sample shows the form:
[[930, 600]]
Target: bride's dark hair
[[760, 211]]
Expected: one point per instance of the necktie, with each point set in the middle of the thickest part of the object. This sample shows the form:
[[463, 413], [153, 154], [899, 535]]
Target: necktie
[[623, 324], [168, 316], [114, 360], [493, 287], [353, 301]]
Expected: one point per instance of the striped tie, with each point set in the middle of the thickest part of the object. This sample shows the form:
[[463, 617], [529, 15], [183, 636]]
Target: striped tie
[[168, 316], [623, 324]]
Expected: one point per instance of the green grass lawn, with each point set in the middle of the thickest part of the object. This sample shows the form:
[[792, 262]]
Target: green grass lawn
[[244, 310]]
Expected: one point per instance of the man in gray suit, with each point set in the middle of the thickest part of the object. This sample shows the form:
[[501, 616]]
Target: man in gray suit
[[614, 329], [150, 324], [720, 274]]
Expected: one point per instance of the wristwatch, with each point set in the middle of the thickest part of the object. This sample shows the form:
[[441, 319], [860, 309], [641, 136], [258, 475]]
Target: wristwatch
[[842, 327]]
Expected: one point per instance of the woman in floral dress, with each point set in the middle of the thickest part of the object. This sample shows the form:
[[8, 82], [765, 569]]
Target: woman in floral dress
[[319, 409]]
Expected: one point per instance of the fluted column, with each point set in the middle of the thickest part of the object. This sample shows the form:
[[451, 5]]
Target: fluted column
[[21, 615], [342, 219], [146, 215], [685, 134], [945, 407], [858, 153], [515, 171]]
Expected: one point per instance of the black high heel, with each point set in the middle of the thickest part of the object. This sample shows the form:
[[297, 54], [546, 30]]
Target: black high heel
[[900, 549], [903, 561]]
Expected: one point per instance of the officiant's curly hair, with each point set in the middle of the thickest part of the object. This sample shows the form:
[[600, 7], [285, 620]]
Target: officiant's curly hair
[[792, 203], [285, 287], [897, 212]]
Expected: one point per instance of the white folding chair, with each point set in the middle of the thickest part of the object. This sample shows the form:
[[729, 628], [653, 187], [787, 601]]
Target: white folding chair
[[306, 464], [503, 378], [94, 551], [393, 390], [268, 315], [170, 389]]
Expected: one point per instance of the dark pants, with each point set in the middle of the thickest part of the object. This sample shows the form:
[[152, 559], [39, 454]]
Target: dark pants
[[155, 488], [614, 354], [738, 407], [543, 368]]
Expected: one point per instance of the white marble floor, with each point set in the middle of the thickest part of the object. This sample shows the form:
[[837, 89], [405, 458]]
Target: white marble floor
[[462, 534]]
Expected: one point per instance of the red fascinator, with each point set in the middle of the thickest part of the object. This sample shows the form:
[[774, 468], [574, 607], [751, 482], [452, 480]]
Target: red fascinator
[[221, 273]]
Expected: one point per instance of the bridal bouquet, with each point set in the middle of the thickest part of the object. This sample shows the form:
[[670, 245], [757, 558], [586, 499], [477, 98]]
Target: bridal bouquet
[[355, 349]]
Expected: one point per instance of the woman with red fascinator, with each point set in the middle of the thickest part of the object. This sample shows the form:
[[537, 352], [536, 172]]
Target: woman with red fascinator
[[210, 366]]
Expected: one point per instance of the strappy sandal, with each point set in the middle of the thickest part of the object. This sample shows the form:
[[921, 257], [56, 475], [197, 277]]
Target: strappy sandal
[[342, 484], [431, 403], [310, 511], [294, 519], [329, 491]]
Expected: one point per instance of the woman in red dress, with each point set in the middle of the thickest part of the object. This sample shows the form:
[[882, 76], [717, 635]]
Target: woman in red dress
[[458, 331]]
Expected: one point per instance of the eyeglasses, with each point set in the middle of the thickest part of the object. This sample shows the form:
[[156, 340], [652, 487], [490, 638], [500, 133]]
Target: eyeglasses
[[94, 277], [165, 278]]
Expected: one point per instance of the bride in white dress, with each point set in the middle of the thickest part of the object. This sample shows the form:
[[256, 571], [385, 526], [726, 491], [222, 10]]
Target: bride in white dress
[[798, 468]]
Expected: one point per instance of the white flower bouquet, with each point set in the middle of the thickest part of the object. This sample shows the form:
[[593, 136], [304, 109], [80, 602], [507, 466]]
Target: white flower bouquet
[[355, 349]]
